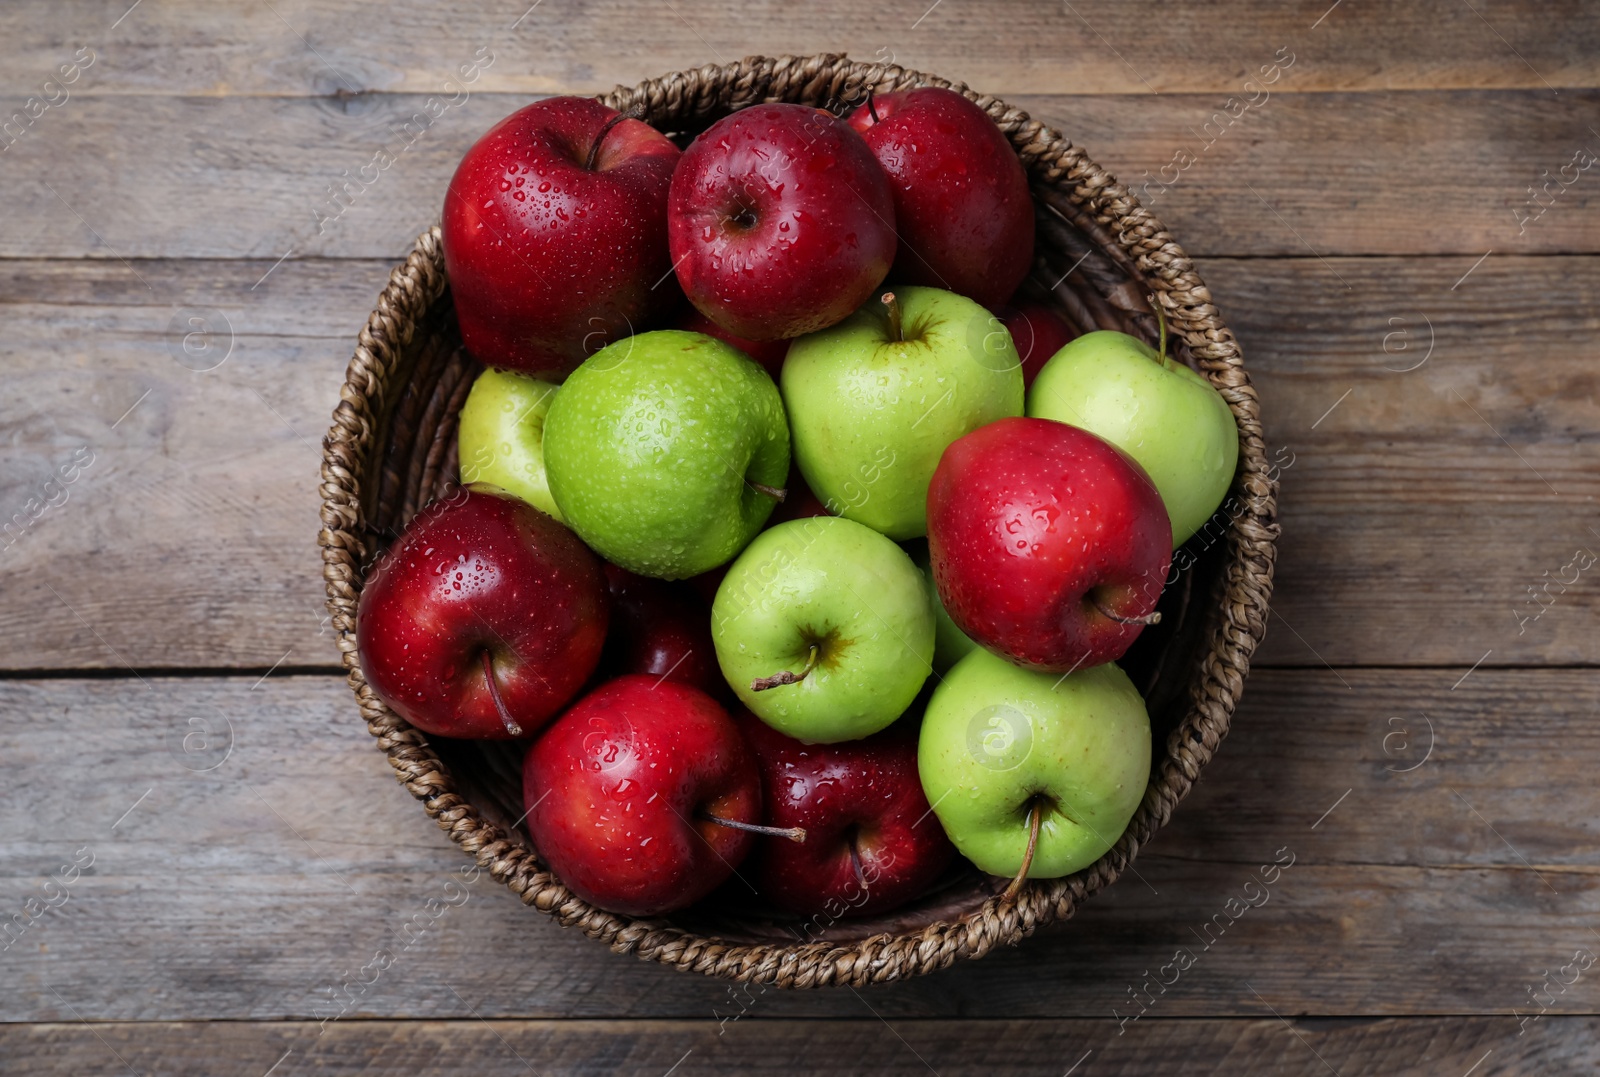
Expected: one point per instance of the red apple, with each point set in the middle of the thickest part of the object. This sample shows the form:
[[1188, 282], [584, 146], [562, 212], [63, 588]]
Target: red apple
[[769, 353], [871, 841], [1049, 545], [781, 222], [660, 629], [621, 792], [1038, 333], [483, 619], [555, 235], [799, 501], [961, 199], [706, 584]]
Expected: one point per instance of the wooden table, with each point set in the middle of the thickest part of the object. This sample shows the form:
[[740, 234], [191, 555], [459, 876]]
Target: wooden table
[[200, 842]]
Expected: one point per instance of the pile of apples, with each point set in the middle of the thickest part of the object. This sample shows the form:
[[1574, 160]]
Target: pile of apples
[[688, 571]]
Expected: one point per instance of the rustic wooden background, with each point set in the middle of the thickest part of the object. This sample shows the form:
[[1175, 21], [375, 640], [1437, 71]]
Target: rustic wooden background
[[199, 842]]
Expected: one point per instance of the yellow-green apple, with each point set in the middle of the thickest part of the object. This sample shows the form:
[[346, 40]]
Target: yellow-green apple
[[501, 436], [555, 234], [961, 201], [667, 451], [1049, 545], [1152, 407], [781, 221], [874, 401], [1012, 758], [483, 619], [823, 629]]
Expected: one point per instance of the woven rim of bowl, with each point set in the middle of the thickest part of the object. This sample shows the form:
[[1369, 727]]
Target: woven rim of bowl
[[1092, 201]]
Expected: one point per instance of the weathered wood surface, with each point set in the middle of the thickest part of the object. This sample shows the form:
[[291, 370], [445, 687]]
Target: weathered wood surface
[[251, 851], [296, 47], [1262, 1047], [1438, 803], [1412, 531], [1436, 172]]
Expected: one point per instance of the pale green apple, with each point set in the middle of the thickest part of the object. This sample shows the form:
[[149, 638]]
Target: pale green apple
[[871, 410], [998, 740], [666, 452], [1158, 411], [838, 608], [501, 436]]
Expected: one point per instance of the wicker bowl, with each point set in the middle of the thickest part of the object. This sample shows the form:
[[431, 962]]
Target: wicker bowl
[[1099, 256]]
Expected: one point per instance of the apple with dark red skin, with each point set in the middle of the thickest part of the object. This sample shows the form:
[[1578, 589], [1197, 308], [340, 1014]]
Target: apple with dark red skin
[[638, 796], [871, 841], [781, 222], [769, 353], [555, 235], [483, 620], [1049, 545], [799, 502], [660, 629], [961, 200], [705, 585], [1038, 333]]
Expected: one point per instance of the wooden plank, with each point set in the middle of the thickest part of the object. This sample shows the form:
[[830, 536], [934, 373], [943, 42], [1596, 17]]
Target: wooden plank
[[256, 868], [258, 850], [1302, 174], [1411, 530], [1263, 1047], [1445, 459], [199, 511], [1007, 46], [1418, 763]]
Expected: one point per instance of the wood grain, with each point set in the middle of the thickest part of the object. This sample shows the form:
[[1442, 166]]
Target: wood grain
[[294, 47], [1261, 1047], [1301, 175], [1411, 529], [251, 850], [252, 853], [1444, 454]]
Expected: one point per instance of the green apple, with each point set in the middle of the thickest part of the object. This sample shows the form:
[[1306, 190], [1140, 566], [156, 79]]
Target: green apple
[[1152, 407], [823, 628], [999, 742], [666, 452], [875, 400], [501, 437], [950, 644]]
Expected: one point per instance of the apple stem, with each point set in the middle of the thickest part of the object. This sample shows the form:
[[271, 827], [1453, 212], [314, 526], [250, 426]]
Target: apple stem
[[594, 149], [1161, 325], [499, 704], [1035, 817], [793, 833], [872, 108], [855, 863], [783, 677], [892, 304], [1153, 618], [777, 493]]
